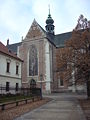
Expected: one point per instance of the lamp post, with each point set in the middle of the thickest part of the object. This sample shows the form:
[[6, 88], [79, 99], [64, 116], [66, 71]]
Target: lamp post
[[73, 79], [41, 77]]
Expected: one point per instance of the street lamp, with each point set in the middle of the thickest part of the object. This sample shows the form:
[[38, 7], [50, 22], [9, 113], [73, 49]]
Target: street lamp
[[41, 77]]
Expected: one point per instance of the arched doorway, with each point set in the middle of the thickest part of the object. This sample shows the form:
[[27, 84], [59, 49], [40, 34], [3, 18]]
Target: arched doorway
[[32, 83]]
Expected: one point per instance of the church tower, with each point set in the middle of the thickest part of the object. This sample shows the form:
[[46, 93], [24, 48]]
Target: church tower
[[49, 24]]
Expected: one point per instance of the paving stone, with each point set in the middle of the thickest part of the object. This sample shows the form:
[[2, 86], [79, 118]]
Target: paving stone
[[60, 108]]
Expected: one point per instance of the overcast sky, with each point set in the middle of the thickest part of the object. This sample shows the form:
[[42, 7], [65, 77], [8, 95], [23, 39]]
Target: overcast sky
[[16, 16]]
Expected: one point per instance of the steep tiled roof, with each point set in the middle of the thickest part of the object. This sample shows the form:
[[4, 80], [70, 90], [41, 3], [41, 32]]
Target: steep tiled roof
[[13, 47], [57, 40], [50, 38], [42, 28], [4, 50], [60, 39]]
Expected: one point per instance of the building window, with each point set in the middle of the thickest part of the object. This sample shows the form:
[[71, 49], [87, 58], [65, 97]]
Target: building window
[[7, 86], [17, 69], [8, 67], [33, 61], [17, 86], [61, 82]]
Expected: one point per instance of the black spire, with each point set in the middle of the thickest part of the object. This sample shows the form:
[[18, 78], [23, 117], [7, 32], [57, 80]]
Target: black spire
[[49, 23]]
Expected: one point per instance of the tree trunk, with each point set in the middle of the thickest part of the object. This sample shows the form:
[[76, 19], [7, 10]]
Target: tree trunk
[[88, 87]]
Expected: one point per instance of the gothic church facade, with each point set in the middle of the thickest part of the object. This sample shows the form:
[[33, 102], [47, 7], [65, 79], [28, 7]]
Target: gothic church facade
[[38, 51]]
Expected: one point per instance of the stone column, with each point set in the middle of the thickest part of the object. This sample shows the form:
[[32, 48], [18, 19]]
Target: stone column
[[47, 64]]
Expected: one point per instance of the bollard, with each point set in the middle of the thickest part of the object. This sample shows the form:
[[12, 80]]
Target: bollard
[[17, 103], [33, 99], [3, 106], [26, 101]]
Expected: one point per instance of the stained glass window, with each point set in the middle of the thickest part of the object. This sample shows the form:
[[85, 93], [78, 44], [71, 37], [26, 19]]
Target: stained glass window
[[33, 61]]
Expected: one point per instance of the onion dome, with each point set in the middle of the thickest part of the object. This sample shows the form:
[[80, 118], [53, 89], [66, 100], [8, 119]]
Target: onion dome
[[49, 24], [49, 19]]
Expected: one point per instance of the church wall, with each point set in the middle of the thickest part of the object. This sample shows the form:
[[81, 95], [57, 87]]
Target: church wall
[[55, 82], [24, 54], [42, 58], [52, 68], [47, 64], [58, 75], [46, 54], [37, 37], [47, 57]]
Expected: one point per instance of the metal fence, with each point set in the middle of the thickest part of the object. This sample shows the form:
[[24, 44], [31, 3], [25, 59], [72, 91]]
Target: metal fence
[[23, 91]]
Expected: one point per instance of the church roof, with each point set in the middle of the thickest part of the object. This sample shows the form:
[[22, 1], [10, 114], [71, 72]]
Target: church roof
[[60, 39], [57, 40], [13, 47], [41, 28]]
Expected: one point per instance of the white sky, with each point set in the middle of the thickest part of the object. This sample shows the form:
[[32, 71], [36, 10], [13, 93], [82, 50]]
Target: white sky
[[16, 16]]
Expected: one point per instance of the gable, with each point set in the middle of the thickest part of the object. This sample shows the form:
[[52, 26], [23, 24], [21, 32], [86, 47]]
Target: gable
[[35, 31]]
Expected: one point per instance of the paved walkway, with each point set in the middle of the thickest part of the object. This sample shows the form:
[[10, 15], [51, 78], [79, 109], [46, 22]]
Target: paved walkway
[[62, 107]]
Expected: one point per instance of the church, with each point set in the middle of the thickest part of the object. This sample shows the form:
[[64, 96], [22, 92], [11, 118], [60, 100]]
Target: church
[[38, 51]]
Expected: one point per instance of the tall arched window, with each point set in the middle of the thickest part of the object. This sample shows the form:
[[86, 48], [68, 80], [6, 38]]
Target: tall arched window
[[33, 61]]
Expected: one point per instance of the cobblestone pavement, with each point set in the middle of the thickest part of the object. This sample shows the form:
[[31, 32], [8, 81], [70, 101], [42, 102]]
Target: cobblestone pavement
[[62, 107]]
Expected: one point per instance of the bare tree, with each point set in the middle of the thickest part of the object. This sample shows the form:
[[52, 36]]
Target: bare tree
[[74, 59], [83, 23]]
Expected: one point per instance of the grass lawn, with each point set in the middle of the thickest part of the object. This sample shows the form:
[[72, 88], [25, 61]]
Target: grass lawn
[[4, 99]]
